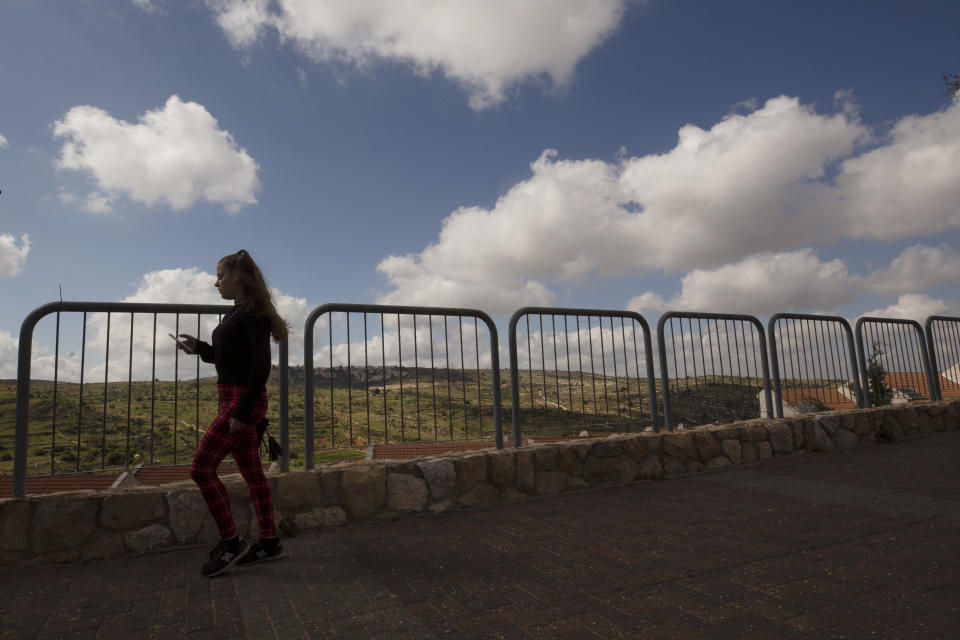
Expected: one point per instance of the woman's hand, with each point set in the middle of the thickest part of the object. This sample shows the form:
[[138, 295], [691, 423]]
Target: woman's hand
[[236, 425], [188, 344]]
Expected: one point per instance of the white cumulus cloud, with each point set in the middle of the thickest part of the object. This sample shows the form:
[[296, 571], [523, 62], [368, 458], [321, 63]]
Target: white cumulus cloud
[[12, 257], [916, 306], [916, 268], [176, 155], [765, 184], [8, 355], [487, 46], [3, 142], [764, 283]]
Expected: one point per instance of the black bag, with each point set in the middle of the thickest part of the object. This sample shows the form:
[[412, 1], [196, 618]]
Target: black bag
[[272, 447]]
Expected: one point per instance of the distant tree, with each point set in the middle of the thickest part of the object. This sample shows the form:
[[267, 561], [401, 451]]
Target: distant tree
[[880, 391], [952, 84]]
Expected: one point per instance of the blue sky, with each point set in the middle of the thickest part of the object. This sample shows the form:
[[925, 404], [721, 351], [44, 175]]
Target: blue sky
[[747, 157]]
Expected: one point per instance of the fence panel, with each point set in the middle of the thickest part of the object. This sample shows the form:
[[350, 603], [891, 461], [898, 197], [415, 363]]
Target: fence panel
[[399, 374], [580, 370], [814, 362], [943, 345], [121, 395], [719, 365], [894, 363]]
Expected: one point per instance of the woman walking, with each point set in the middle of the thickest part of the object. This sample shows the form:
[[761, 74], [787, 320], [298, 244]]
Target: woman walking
[[241, 354]]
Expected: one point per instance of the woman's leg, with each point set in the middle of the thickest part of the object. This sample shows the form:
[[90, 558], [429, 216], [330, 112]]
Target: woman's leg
[[246, 453], [216, 443]]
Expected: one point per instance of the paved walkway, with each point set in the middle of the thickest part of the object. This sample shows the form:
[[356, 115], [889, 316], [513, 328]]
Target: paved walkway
[[857, 544]]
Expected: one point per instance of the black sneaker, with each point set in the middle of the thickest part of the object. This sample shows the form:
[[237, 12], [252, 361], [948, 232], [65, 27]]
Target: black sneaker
[[266, 549], [223, 556]]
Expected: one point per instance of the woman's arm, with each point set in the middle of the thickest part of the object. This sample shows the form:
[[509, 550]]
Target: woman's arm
[[257, 330]]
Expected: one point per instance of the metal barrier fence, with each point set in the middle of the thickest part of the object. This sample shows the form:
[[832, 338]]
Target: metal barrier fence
[[943, 345], [814, 363], [725, 382], [408, 365], [598, 393], [107, 432], [894, 364]]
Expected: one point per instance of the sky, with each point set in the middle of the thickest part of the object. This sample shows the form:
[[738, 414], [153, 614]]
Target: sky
[[743, 157]]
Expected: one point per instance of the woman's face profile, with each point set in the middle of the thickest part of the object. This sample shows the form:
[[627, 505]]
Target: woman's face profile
[[228, 287]]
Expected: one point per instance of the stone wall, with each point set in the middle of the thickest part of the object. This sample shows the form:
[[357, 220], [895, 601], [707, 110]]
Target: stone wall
[[89, 525]]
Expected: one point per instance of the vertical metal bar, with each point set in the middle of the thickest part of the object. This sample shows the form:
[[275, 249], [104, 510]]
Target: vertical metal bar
[[176, 389], [583, 406], [603, 363], [366, 375], [83, 361], [726, 336], [736, 350], [284, 360], [446, 352], [703, 360], [476, 346], [529, 364], [126, 455], [566, 342], [106, 391], [613, 352], [196, 406], [556, 362], [626, 367], [403, 433], [349, 385], [416, 373], [153, 388], [383, 363], [593, 374], [333, 430], [543, 370], [636, 364], [433, 380], [56, 371], [463, 380], [683, 355]]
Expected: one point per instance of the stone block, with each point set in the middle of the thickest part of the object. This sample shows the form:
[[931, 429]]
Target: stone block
[[550, 482], [299, 490], [406, 492], [781, 438], [862, 425], [708, 447], [441, 476], [639, 447], [733, 450], [574, 483], [816, 437], [545, 458], [148, 538], [606, 470], [830, 422], [607, 448], [479, 495], [679, 446], [330, 481], [799, 438], [364, 489], [764, 450], [753, 432], [503, 469], [887, 426], [748, 452], [569, 461], [512, 495], [526, 471], [471, 470], [63, 520], [14, 524], [723, 431], [320, 518], [131, 509], [186, 513]]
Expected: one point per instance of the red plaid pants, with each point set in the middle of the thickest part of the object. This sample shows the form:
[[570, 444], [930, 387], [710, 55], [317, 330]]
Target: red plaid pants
[[244, 446]]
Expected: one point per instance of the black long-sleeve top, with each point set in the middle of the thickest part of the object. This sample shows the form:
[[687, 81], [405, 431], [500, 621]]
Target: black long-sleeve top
[[241, 354]]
